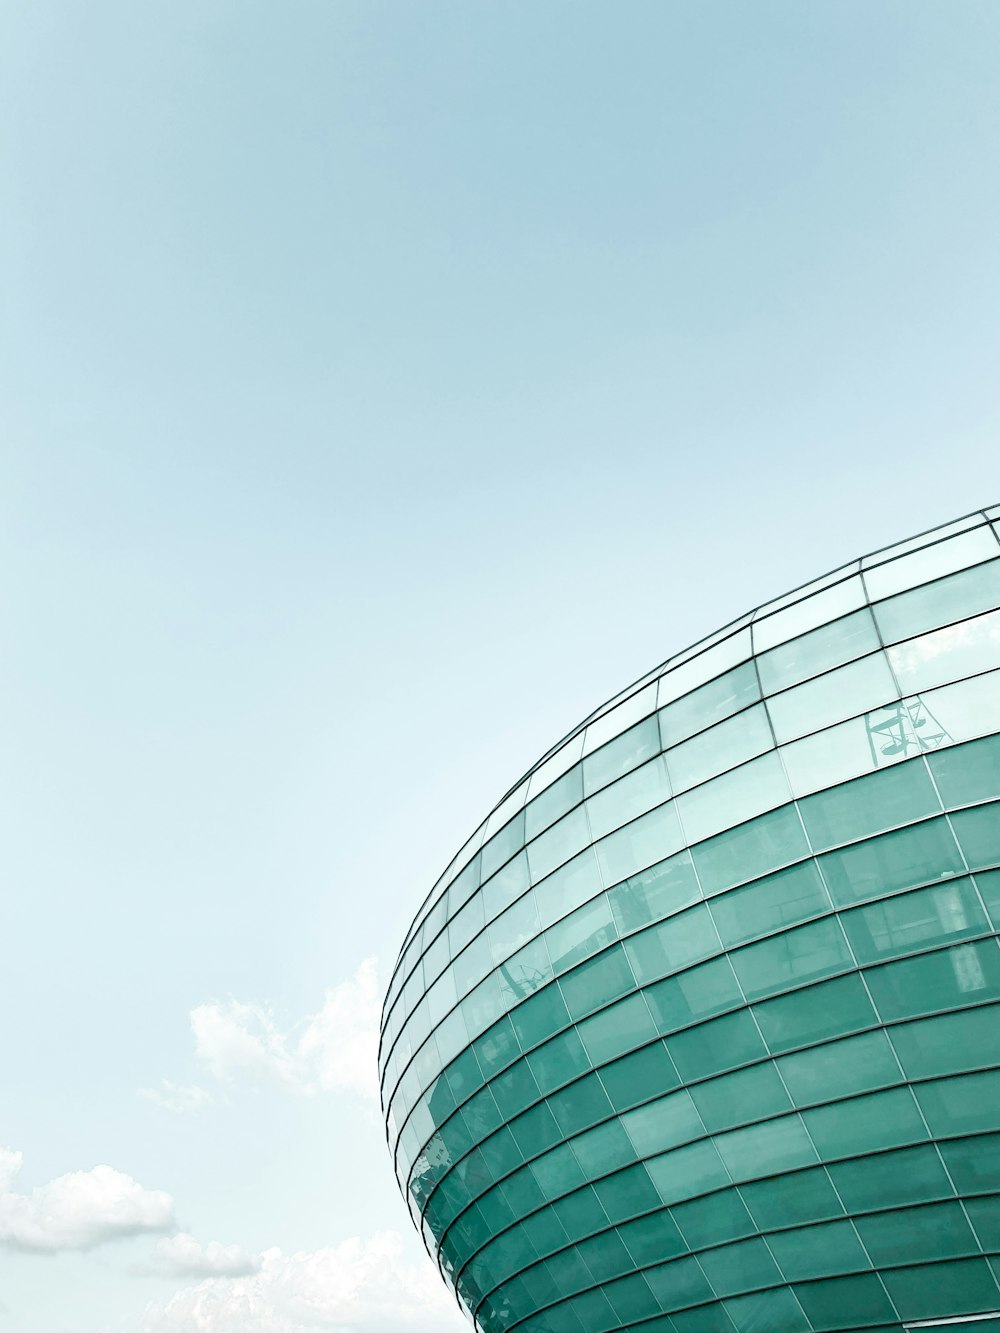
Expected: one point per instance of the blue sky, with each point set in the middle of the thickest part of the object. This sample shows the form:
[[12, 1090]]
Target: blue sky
[[383, 387]]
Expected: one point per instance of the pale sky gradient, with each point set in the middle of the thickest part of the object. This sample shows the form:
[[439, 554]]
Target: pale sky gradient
[[384, 386]]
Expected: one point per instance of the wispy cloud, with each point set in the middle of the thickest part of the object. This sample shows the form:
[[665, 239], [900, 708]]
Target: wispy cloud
[[330, 1050], [184, 1256], [78, 1211], [359, 1286], [178, 1097]]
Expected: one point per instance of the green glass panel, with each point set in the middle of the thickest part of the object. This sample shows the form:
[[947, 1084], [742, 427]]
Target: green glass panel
[[806, 1196], [558, 1061], [658, 892], [678, 1283], [964, 1105], [574, 883], [535, 1131], [558, 1172], [558, 844], [616, 1030], [844, 1302], [820, 650], [506, 886], [603, 1149], [628, 798], [652, 1239], [486, 1112], [803, 954], [702, 1319], [829, 1009], [765, 1149], [949, 1044], [855, 1064], [500, 1153], [770, 904], [984, 1214], [521, 1193], [720, 748], [967, 773], [734, 1099], [904, 923], [713, 1218], [620, 756], [750, 851], [916, 1235], [597, 983], [627, 1193], [738, 795], [637, 1077], [963, 1286], [988, 883], [648, 839], [663, 1124], [945, 979], [692, 995], [502, 846], [673, 944], [942, 602], [544, 1231], [766, 1312], [978, 832], [513, 1090], [710, 703], [606, 1256], [712, 1047], [909, 1175], [842, 693], [898, 860], [631, 1298], [818, 1251], [568, 1271], [496, 1048], [974, 1163], [865, 1124], [740, 1267], [554, 802], [581, 934], [580, 1105], [686, 1172], [539, 1017], [868, 805], [594, 1312]]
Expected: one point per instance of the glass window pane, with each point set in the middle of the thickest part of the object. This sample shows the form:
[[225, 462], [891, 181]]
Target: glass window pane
[[558, 844], [818, 1251], [713, 1047], [942, 980], [502, 846], [969, 1104], [539, 1016], [717, 1217], [722, 747], [731, 1269], [581, 1104], [802, 954], [665, 1123], [506, 886], [554, 802], [963, 1286], [582, 933], [673, 944], [914, 1235], [845, 1302], [744, 853], [515, 927], [949, 1044], [719, 699], [575, 883], [898, 860], [763, 1311], [902, 924], [974, 1163], [842, 693], [840, 753], [988, 883], [909, 1175], [865, 1124], [616, 1030], [621, 755], [629, 797], [868, 805], [804, 1196], [597, 983], [747, 1094], [947, 654], [630, 1192], [651, 1238], [648, 839], [829, 646], [653, 894], [831, 1009], [558, 1061], [840, 1068], [636, 1078], [967, 773], [770, 904], [694, 994], [766, 1149], [931, 562], [955, 597], [821, 608], [736, 796], [686, 1172], [978, 833]]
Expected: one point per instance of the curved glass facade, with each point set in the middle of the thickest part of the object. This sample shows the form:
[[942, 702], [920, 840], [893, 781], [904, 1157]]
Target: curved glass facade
[[701, 1028]]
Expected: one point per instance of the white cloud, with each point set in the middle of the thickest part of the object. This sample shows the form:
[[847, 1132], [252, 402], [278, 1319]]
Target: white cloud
[[329, 1050], [179, 1097], [10, 1168], [183, 1256], [359, 1286], [79, 1210]]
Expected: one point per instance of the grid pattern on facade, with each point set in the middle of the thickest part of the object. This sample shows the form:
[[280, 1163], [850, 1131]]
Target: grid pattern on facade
[[702, 1030]]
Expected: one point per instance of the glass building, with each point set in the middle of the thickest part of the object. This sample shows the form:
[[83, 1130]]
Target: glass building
[[700, 1031]]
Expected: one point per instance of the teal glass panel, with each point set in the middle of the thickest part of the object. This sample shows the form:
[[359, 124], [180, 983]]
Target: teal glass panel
[[686, 1172], [974, 1163], [984, 1214], [942, 980], [740, 1267], [558, 1172], [765, 1149], [767, 1311], [628, 1193], [884, 800], [631, 1298], [616, 1030], [855, 688], [544, 1231], [926, 916], [803, 954], [620, 756], [828, 1250], [949, 1044], [967, 773], [506, 886], [770, 904], [521, 1193], [710, 703], [484, 1113], [663, 1124], [755, 848], [580, 1213], [597, 983], [558, 1061], [554, 802], [496, 1048], [734, 797], [722, 747], [909, 1175], [664, 889], [713, 1218], [513, 1090], [539, 1017], [942, 602], [558, 844], [603, 1149], [978, 833], [840, 1068], [969, 1104], [946, 655], [713, 1047], [629, 797], [822, 649], [865, 1124], [915, 1235], [899, 860], [581, 934], [652, 1239], [521, 976], [648, 839], [692, 995], [606, 1256], [988, 883], [502, 846], [576, 882], [845, 1302], [747, 1094], [816, 1013], [637, 1077], [673, 944], [580, 1105], [806, 1196], [678, 1283], [963, 1286]]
